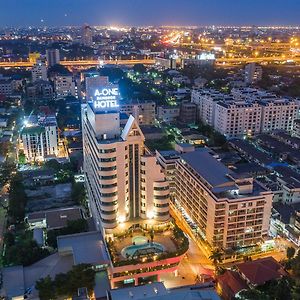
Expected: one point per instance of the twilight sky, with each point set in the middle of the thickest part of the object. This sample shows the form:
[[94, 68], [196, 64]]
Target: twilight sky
[[149, 12]]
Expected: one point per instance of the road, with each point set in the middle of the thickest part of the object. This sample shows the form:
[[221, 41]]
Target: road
[[80, 63], [219, 61]]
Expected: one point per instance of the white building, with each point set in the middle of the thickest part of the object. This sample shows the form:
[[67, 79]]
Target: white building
[[253, 73], [64, 85], [40, 138], [39, 71], [53, 57], [206, 100], [246, 111], [235, 119], [123, 181]]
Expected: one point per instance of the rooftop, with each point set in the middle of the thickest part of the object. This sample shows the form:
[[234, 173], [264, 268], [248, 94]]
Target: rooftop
[[157, 291], [86, 247], [260, 271], [213, 171], [56, 218]]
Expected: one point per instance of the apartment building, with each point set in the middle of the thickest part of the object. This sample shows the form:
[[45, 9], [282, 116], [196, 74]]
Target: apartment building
[[206, 100], [64, 85], [123, 181], [246, 111], [296, 128], [39, 71], [40, 138], [234, 119], [6, 87], [142, 111], [253, 73], [168, 114], [229, 209]]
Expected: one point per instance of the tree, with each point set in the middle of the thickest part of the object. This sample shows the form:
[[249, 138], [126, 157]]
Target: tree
[[139, 68], [9, 239], [290, 252], [67, 284], [216, 256], [45, 286], [78, 193], [17, 199]]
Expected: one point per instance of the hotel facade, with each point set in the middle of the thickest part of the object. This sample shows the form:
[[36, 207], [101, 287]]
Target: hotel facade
[[123, 180]]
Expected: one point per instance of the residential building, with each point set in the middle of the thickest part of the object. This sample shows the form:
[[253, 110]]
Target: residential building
[[40, 89], [64, 85], [123, 181], [40, 138], [278, 114], [168, 114], [53, 57], [6, 87], [235, 119], [245, 112], [87, 35], [230, 209], [206, 100], [296, 128], [142, 111], [92, 83], [187, 113], [39, 71], [253, 73]]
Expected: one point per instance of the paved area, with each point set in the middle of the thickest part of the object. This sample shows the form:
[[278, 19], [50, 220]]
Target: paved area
[[192, 265]]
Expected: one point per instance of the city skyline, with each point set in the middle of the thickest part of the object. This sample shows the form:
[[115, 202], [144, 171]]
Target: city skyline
[[117, 12]]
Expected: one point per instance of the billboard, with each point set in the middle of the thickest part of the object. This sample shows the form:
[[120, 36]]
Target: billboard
[[106, 97]]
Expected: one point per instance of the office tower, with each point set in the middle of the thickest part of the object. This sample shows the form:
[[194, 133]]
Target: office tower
[[40, 138], [53, 57], [39, 71], [124, 181], [253, 73], [87, 35]]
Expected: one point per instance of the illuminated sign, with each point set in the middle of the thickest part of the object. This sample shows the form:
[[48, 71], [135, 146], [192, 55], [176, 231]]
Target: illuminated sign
[[106, 97], [206, 56]]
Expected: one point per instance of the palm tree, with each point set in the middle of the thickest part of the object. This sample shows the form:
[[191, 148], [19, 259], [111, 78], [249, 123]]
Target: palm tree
[[216, 256]]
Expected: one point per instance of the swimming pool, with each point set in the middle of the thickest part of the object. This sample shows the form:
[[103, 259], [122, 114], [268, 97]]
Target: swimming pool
[[142, 247], [140, 240]]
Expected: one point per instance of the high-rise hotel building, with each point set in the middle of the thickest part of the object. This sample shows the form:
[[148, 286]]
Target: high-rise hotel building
[[124, 181]]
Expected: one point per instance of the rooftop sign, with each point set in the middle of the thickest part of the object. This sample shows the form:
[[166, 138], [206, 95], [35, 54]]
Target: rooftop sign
[[106, 97]]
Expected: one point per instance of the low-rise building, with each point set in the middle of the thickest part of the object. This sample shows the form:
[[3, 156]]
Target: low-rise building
[[168, 114], [142, 111], [40, 138], [187, 113]]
